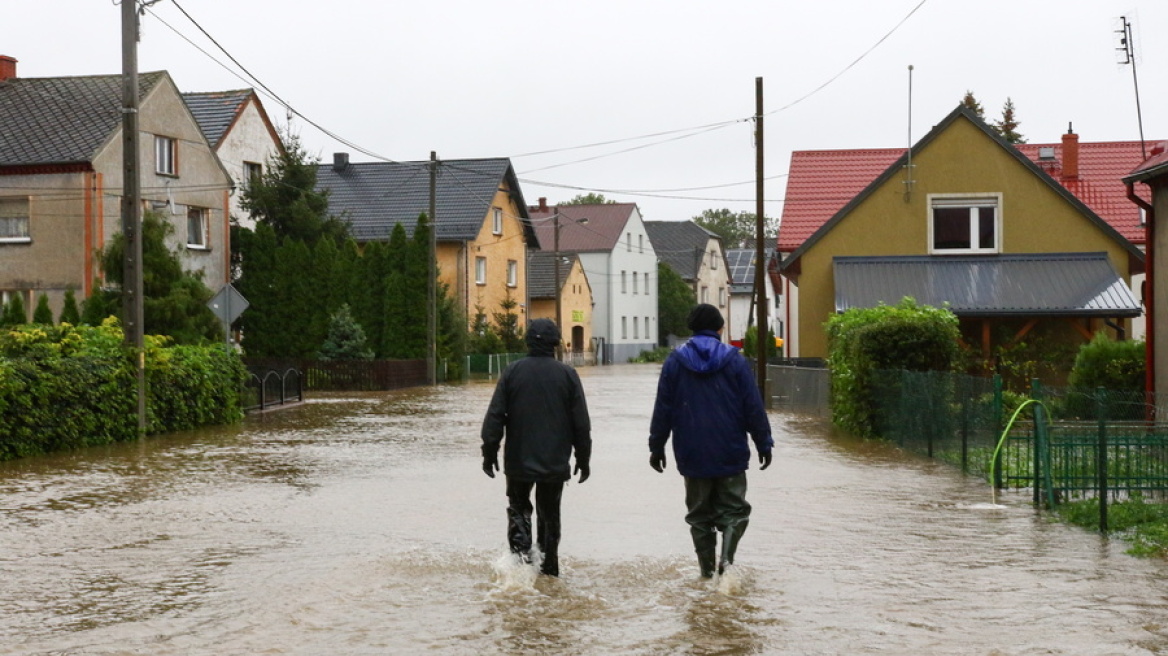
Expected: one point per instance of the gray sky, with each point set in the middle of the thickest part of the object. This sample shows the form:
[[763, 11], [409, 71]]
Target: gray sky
[[467, 78]]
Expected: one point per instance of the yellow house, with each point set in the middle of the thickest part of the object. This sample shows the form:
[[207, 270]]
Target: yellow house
[[575, 311], [482, 223], [965, 219]]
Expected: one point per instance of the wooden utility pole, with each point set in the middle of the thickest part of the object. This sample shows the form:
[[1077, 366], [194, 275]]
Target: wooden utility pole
[[432, 283], [132, 207], [760, 244]]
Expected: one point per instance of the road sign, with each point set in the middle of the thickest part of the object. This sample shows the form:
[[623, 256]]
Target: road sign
[[228, 304]]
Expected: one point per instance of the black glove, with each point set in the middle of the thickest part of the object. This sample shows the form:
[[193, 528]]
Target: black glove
[[491, 464], [583, 469], [765, 459], [657, 461]]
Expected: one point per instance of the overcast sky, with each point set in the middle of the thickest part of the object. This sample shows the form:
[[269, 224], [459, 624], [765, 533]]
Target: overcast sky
[[544, 81]]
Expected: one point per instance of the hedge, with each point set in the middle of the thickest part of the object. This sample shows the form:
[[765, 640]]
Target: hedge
[[67, 387]]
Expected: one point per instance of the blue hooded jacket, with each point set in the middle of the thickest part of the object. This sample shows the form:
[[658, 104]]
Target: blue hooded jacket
[[708, 400]]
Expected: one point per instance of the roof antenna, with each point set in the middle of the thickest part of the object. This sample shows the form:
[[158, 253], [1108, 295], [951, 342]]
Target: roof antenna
[[908, 177], [1127, 47]]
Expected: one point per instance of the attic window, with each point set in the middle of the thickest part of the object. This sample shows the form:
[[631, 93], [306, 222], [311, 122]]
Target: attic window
[[1046, 153], [964, 224], [497, 221], [165, 156]]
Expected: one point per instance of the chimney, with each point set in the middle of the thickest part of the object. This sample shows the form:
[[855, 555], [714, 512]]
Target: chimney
[[340, 161], [1070, 155], [7, 67], [543, 204]]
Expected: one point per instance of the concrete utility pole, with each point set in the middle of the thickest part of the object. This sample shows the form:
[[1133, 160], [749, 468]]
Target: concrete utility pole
[[432, 283], [760, 244], [132, 206]]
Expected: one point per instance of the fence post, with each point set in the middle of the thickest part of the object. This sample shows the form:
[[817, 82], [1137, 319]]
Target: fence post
[[965, 410], [1042, 465], [997, 423], [1101, 460]]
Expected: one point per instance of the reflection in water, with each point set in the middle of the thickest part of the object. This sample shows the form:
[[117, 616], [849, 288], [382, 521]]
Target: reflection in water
[[362, 524]]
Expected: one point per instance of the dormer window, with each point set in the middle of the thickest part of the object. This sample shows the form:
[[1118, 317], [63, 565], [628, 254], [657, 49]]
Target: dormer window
[[964, 223]]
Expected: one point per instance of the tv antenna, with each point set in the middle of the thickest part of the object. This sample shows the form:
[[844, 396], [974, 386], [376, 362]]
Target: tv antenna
[[1127, 47]]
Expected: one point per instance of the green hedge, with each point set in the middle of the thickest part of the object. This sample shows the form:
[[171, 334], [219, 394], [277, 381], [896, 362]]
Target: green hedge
[[65, 387], [864, 341]]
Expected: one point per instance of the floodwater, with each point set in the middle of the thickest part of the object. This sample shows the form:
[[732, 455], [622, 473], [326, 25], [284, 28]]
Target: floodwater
[[362, 524]]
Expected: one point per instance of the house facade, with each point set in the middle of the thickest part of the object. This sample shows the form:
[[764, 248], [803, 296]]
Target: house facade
[[575, 301], [964, 219], [61, 169], [241, 134], [695, 254], [1153, 174], [482, 226], [618, 258]]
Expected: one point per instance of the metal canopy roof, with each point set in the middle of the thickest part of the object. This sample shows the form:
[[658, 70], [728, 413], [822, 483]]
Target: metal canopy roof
[[1039, 284]]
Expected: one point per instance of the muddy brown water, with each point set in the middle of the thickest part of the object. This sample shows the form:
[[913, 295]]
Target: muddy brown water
[[362, 524]]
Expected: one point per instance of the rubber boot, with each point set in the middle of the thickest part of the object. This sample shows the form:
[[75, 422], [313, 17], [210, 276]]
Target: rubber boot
[[730, 537], [519, 534], [705, 545]]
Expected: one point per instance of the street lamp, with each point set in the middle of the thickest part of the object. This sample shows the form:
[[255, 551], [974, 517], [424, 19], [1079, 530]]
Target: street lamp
[[556, 273]]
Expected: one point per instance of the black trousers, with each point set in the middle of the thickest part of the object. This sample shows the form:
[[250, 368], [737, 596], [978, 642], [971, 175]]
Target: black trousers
[[547, 507]]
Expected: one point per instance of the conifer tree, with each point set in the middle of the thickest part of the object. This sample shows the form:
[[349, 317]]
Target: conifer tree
[[69, 313], [417, 302], [1008, 125], [346, 339], [396, 296], [14, 314], [972, 103], [507, 320], [42, 314]]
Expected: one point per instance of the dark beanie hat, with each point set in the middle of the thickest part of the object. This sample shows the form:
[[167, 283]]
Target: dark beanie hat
[[543, 332], [705, 317]]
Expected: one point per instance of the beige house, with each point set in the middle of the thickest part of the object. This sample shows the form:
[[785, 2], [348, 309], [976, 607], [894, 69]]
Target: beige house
[[61, 181], [482, 223], [575, 320], [239, 130]]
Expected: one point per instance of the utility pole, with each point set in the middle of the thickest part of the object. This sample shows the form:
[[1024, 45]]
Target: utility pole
[[432, 283], [760, 244], [132, 206]]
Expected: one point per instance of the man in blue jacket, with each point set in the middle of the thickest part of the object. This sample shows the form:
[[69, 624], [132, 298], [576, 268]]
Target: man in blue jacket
[[539, 406], [708, 400]]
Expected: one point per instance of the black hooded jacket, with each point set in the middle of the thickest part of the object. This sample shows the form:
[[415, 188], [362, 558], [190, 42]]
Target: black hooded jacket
[[539, 405]]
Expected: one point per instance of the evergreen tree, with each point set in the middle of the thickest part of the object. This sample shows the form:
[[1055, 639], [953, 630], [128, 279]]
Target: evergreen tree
[[972, 103], [260, 285], [675, 299], [1008, 126], [346, 339], [483, 338], [509, 331], [14, 314], [397, 310], [417, 273], [69, 313], [297, 302], [588, 199], [452, 334], [42, 314], [286, 199], [737, 230]]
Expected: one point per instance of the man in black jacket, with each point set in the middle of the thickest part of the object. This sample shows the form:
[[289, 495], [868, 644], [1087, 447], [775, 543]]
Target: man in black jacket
[[539, 404]]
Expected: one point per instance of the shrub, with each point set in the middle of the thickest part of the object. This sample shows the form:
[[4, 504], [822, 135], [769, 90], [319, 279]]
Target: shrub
[[864, 341]]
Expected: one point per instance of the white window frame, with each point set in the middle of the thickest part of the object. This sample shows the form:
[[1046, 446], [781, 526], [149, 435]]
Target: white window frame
[[640, 243], [624, 282], [512, 273], [480, 270], [15, 217], [635, 292], [974, 202], [628, 242], [705, 295], [496, 221], [198, 229], [636, 327], [165, 155], [721, 297], [713, 259], [252, 173], [646, 282], [624, 327]]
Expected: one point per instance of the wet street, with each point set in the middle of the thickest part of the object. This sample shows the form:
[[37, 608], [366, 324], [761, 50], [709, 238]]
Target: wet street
[[363, 524]]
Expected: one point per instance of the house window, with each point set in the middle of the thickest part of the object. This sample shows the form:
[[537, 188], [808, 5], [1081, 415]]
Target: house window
[[197, 232], [964, 224], [646, 283], [624, 282], [624, 327], [628, 242], [721, 297], [705, 295], [636, 327], [14, 220], [635, 282], [481, 270], [165, 156], [512, 273], [253, 173], [640, 243], [497, 221]]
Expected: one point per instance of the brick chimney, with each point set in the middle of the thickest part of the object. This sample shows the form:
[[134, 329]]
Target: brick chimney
[[1070, 155], [340, 161], [7, 67], [543, 204]]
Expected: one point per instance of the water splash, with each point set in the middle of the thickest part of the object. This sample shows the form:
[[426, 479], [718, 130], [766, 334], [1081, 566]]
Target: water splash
[[513, 573], [731, 582]]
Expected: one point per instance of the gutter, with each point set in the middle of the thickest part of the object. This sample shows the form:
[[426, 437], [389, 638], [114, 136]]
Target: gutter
[[1149, 286]]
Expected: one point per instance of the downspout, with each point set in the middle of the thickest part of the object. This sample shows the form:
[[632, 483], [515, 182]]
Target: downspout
[[1149, 286]]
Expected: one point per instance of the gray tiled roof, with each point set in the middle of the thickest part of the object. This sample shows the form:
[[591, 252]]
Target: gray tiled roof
[[374, 196], [215, 111], [1047, 284], [541, 269], [680, 244], [56, 120]]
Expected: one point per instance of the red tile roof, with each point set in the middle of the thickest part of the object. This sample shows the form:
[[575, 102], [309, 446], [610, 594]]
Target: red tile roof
[[821, 182]]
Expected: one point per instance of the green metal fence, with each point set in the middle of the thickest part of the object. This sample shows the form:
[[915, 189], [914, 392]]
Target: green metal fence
[[490, 365], [1061, 444]]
